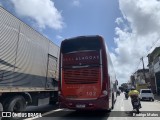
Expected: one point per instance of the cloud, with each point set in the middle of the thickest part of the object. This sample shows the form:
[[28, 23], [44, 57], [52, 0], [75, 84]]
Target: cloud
[[119, 21], [76, 3], [59, 37], [43, 12], [142, 27], [143, 15]]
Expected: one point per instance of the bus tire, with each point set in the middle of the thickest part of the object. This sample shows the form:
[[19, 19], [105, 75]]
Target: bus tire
[[1, 107], [112, 102], [15, 104]]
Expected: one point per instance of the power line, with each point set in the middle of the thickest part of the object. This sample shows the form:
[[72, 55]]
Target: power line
[[147, 52], [152, 46], [137, 66], [143, 69]]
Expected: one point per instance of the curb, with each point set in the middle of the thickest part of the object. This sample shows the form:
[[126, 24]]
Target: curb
[[157, 98], [157, 101]]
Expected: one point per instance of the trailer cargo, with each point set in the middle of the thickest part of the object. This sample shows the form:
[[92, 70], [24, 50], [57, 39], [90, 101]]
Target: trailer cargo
[[141, 86], [28, 65]]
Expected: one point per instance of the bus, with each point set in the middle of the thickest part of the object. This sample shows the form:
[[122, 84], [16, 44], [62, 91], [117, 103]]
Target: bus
[[87, 77]]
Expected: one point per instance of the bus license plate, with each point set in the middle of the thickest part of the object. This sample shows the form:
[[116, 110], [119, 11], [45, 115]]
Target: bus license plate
[[80, 106]]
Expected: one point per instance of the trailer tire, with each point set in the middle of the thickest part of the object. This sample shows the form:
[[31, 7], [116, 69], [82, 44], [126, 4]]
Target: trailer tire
[[53, 99], [15, 104], [52, 102]]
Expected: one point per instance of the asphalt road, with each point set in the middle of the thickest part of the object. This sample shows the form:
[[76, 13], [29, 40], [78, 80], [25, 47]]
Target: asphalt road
[[122, 111]]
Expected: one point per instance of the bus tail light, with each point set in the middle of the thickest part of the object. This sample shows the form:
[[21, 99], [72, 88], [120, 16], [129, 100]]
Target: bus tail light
[[105, 92]]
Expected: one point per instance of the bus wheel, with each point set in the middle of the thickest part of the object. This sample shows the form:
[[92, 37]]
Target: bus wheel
[[112, 102], [15, 104], [1, 107]]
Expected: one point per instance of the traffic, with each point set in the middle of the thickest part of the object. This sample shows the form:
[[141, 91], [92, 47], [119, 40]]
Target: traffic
[[79, 59]]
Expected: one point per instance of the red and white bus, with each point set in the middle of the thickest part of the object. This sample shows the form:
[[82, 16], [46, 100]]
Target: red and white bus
[[87, 77]]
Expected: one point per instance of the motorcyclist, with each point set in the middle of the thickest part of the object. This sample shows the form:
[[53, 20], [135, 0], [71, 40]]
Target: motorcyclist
[[126, 92], [134, 92]]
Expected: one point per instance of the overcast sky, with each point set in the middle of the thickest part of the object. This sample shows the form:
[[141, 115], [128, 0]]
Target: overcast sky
[[130, 27]]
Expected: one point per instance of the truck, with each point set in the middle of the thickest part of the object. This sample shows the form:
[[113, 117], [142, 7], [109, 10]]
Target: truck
[[28, 65], [141, 86]]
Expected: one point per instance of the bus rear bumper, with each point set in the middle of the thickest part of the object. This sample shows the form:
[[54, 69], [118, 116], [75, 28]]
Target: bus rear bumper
[[96, 104]]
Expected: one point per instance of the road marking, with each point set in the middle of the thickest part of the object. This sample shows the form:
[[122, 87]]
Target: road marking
[[122, 109], [53, 111], [32, 118], [156, 100], [122, 105], [50, 112]]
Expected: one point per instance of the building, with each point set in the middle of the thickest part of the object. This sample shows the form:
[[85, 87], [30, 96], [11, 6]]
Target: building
[[132, 80], [154, 68], [139, 78]]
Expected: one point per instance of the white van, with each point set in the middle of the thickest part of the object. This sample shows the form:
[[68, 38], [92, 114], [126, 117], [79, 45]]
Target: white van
[[146, 94]]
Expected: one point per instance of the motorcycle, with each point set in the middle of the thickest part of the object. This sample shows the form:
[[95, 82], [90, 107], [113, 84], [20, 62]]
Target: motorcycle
[[136, 103], [126, 95]]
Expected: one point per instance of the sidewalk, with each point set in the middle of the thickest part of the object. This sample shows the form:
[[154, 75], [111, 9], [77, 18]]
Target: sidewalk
[[157, 97]]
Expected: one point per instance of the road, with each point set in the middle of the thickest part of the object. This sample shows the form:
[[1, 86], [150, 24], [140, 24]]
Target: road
[[122, 111]]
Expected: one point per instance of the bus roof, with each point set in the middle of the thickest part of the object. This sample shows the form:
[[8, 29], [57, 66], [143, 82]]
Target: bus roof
[[79, 37], [81, 43]]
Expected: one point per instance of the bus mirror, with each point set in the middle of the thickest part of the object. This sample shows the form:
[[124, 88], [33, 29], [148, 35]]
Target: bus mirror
[[116, 82]]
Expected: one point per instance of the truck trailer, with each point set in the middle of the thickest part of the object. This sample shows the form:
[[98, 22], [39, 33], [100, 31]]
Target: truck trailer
[[28, 65], [141, 86]]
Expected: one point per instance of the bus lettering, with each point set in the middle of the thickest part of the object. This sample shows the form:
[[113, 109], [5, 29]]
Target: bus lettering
[[87, 58], [91, 93]]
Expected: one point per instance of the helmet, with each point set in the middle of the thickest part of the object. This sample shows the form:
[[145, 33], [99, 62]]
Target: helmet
[[133, 88]]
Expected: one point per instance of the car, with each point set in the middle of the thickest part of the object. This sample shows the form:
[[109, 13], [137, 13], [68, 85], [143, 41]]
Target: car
[[118, 92], [146, 94]]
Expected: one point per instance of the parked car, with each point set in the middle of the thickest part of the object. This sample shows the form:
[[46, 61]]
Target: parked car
[[146, 94], [118, 92]]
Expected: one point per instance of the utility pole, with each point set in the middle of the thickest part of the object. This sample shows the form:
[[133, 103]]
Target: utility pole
[[143, 70]]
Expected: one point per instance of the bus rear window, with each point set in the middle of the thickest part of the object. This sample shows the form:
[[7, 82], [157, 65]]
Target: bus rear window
[[80, 44]]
